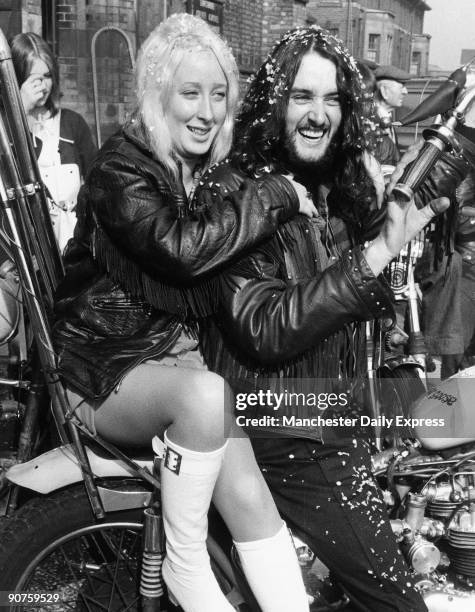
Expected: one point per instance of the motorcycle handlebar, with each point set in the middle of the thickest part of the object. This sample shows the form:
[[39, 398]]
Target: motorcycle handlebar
[[439, 139]]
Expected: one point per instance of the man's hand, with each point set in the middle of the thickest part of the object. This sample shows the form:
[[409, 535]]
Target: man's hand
[[403, 222], [31, 92], [307, 207]]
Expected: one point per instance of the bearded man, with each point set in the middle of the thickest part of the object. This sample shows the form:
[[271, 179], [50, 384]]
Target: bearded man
[[294, 310]]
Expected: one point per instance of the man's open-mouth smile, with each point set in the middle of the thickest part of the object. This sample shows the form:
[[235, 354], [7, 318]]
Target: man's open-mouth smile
[[312, 134]]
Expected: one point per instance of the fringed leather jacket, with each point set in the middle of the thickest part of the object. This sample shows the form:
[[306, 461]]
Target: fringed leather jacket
[[294, 310], [144, 263]]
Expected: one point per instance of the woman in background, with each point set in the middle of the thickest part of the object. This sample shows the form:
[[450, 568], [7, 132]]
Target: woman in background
[[62, 139]]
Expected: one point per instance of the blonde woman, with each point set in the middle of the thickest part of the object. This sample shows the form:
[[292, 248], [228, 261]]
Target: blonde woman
[[140, 272]]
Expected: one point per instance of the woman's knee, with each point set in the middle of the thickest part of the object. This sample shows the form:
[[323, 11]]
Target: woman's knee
[[207, 405], [209, 393]]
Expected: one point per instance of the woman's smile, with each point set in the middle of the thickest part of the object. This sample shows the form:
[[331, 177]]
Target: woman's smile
[[197, 105]]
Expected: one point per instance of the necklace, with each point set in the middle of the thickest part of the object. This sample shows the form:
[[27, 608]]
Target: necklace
[[196, 177]]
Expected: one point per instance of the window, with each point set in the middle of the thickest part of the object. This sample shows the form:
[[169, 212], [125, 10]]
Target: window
[[390, 48], [374, 47], [416, 62]]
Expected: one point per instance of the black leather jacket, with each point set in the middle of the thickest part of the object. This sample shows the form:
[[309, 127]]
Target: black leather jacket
[[143, 263], [292, 311], [465, 238]]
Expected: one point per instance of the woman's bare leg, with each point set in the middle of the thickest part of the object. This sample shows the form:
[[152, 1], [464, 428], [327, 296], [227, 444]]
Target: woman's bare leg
[[261, 538], [194, 407], [189, 403], [186, 407], [241, 494]]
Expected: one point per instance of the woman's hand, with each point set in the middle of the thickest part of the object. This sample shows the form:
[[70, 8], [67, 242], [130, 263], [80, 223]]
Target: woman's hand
[[306, 205], [32, 91], [403, 222]]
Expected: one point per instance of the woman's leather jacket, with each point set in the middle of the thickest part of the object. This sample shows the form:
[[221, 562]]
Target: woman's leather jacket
[[144, 263]]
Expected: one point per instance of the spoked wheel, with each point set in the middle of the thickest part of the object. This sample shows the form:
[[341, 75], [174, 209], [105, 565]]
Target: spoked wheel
[[98, 566], [52, 547], [53, 550]]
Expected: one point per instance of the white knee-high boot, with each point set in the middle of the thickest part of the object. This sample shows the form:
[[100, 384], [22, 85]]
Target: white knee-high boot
[[187, 480], [273, 573]]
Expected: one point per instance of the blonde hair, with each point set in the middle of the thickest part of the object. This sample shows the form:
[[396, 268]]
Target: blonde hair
[[157, 62]]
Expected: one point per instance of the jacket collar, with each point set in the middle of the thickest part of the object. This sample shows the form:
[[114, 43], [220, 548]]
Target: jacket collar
[[134, 131]]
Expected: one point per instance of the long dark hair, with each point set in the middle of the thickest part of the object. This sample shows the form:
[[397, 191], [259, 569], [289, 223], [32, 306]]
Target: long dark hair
[[27, 47], [260, 127]]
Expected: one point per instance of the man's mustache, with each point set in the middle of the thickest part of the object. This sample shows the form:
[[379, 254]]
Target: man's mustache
[[314, 126]]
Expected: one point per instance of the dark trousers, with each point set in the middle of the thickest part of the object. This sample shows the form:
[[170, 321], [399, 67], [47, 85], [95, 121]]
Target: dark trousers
[[453, 363], [329, 499]]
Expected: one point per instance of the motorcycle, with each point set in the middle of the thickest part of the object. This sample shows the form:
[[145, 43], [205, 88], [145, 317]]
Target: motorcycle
[[54, 545], [92, 536], [429, 486]]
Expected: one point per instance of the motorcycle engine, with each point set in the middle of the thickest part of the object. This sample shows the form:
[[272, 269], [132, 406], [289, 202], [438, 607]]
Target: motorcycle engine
[[436, 525], [461, 541]]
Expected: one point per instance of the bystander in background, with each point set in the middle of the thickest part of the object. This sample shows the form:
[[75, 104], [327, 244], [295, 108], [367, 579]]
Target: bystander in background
[[62, 139]]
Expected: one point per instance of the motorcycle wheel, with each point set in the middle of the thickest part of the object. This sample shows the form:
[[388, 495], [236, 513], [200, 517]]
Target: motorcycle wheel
[[53, 546]]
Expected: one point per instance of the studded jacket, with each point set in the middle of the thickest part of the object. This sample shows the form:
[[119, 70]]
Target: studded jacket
[[144, 263], [294, 310]]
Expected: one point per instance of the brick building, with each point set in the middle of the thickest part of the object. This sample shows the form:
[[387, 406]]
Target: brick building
[[386, 31], [96, 40]]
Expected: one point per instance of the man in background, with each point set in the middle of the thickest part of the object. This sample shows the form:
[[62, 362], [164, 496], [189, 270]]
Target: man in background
[[390, 94]]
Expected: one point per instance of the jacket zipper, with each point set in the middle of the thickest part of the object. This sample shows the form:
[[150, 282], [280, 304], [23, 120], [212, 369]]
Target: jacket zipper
[[119, 305], [163, 349]]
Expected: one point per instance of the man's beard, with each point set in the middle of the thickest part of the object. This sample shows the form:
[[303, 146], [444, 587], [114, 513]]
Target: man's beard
[[321, 169]]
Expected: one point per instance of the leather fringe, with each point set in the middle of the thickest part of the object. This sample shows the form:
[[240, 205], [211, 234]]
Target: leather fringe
[[200, 300], [339, 360]]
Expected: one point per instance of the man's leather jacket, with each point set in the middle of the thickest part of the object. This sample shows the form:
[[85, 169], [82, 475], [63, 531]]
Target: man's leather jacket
[[294, 308], [143, 263]]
